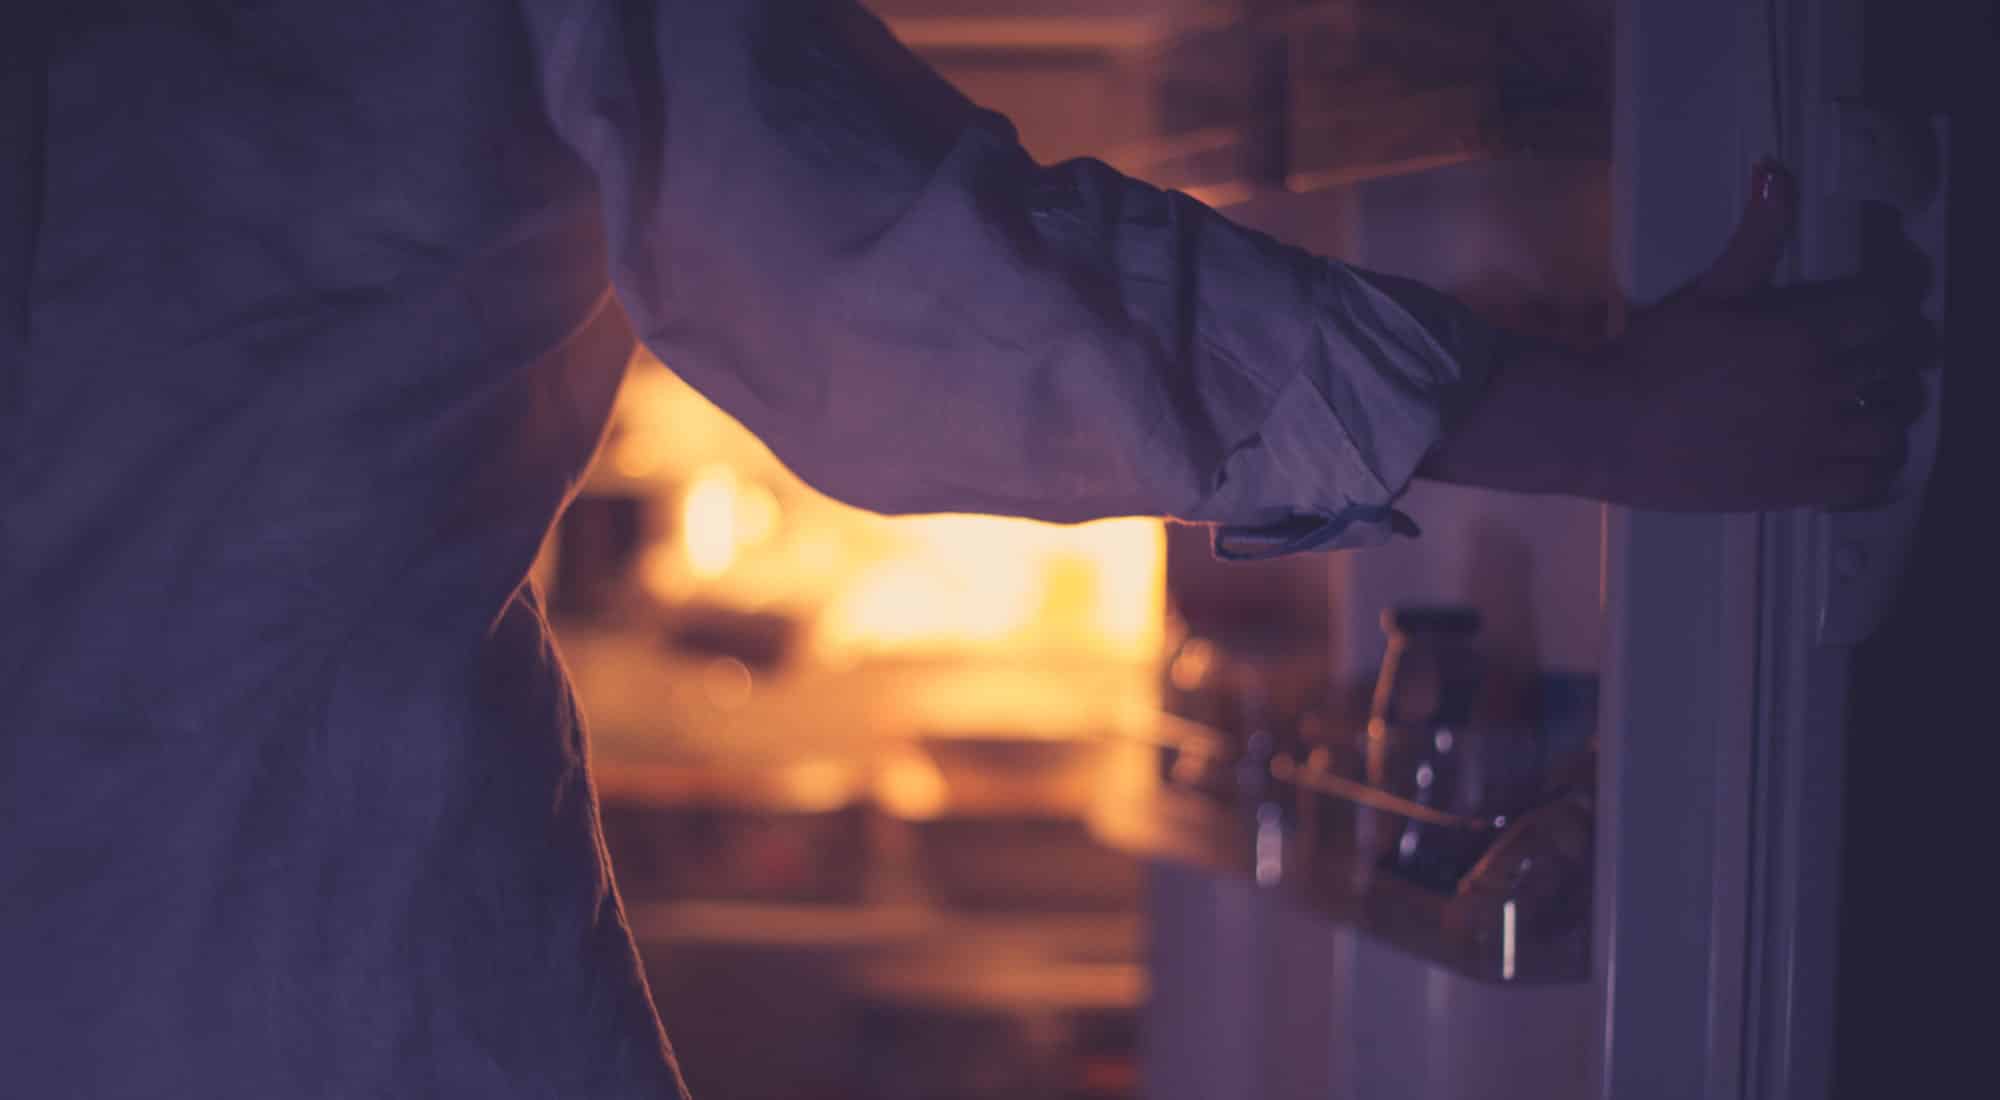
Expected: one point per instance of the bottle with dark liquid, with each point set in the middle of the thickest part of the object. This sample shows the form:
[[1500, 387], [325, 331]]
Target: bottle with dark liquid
[[1445, 734]]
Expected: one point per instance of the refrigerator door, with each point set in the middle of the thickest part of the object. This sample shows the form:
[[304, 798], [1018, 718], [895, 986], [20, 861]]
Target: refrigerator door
[[1723, 652], [1731, 638]]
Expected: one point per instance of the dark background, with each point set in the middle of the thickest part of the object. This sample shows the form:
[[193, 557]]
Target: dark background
[[1917, 914]]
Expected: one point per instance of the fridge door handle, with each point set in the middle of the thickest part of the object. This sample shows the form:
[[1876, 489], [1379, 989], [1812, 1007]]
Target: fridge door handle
[[1880, 157]]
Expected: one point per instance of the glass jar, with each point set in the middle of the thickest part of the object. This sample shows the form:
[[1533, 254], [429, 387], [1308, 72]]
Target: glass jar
[[1442, 735]]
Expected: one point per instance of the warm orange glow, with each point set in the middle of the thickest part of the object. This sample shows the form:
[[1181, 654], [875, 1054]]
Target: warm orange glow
[[815, 785], [981, 584], [727, 683], [910, 787], [708, 523], [1191, 664], [748, 533], [721, 516]]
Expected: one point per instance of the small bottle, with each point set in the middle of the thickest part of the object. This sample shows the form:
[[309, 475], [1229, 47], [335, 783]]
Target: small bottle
[[1423, 712]]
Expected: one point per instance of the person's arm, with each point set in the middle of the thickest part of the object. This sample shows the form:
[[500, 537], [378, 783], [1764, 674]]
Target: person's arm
[[1530, 428], [1729, 396], [869, 272], [835, 246]]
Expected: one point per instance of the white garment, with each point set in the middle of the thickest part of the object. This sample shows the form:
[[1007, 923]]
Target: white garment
[[308, 336]]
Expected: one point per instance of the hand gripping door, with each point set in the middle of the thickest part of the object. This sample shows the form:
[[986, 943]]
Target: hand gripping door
[[1885, 168]]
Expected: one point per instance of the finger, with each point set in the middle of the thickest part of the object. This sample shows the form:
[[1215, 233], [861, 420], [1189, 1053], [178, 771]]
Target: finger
[[1883, 377], [1845, 315], [1903, 271], [1852, 484], [1871, 440], [1750, 260], [1909, 345], [1890, 395]]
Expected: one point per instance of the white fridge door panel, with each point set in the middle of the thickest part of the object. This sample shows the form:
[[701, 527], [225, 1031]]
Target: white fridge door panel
[[1721, 714]]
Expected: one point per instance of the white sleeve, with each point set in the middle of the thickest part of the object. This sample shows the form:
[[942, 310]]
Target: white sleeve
[[817, 232]]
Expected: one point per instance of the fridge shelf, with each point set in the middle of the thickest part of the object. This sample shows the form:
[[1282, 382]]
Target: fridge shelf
[[1331, 784], [1315, 838]]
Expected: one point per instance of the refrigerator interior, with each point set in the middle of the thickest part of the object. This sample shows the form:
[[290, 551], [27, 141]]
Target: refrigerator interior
[[884, 840]]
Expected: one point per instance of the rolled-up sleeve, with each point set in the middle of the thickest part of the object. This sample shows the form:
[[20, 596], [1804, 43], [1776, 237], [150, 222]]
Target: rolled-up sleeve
[[874, 277]]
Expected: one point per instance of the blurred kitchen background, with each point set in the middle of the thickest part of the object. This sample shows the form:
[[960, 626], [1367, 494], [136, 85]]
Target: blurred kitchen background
[[882, 793], [958, 807]]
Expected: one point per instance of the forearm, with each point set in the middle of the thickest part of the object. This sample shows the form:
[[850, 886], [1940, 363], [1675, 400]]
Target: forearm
[[916, 316], [1540, 425]]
